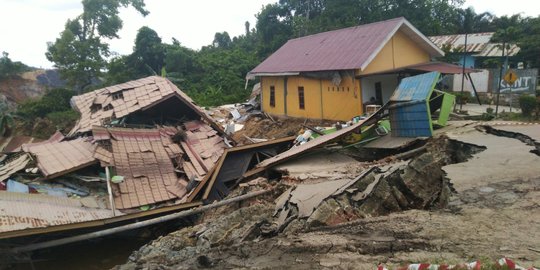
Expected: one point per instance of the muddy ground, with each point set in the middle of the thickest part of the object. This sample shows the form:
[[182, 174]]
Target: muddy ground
[[275, 128], [493, 212]]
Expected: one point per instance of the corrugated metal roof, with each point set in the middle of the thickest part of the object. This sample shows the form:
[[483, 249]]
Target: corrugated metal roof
[[343, 49], [13, 165], [444, 68], [416, 87], [477, 43], [495, 49], [117, 101], [19, 211], [409, 113], [315, 143], [411, 121]]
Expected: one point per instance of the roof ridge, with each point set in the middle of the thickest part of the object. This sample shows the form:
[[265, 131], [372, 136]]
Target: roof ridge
[[350, 27]]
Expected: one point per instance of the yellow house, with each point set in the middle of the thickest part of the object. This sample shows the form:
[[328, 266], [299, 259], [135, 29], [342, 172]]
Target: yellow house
[[332, 75]]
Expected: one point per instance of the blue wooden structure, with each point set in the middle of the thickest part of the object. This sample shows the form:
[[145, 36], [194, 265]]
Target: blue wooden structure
[[413, 103]]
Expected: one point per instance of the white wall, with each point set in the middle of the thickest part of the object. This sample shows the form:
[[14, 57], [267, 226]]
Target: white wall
[[480, 79], [388, 83]]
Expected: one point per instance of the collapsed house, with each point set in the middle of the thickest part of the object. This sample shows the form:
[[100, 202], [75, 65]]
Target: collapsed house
[[121, 167], [139, 148]]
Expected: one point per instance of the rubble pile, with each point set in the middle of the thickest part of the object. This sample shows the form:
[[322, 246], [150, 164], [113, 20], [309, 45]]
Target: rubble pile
[[258, 127], [138, 146], [418, 183]]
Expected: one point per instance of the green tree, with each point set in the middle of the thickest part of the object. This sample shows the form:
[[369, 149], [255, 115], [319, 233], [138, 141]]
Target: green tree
[[180, 62], [80, 51], [6, 120], [432, 17], [530, 43], [119, 70], [55, 100], [273, 27], [148, 53], [9, 68], [222, 40]]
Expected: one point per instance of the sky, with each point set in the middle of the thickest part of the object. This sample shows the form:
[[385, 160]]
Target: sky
[[27, 25]]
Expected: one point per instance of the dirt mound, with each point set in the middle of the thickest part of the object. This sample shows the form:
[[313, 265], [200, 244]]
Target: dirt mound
[[265, 128], [28, 85]]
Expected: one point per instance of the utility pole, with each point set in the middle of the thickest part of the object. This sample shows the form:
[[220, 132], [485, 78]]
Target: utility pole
[[500, 80], [463, 71]]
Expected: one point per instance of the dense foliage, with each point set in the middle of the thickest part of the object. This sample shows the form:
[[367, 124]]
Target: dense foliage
[[41, 117], [9, 68], [80, 52], [215, 74], [527, 104]]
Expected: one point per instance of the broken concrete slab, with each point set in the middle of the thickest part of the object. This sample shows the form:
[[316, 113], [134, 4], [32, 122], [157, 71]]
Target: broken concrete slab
[[307, 197], [320, 165]]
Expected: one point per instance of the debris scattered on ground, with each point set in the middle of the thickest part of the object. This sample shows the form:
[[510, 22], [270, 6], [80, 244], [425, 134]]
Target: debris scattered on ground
[[138, 146], [258, 127], [336, 195]]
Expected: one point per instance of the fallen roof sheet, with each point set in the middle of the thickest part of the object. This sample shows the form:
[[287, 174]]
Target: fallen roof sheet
[[416, 87], [117, 101], [19, 211], [58, 158], [316, 143], [443, 68], [12, 166]]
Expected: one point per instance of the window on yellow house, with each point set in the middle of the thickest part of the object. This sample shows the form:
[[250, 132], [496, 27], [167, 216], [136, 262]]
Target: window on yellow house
[[272, 96], [301, 97]]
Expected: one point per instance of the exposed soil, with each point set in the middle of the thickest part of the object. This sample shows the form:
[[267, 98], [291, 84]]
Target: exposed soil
[[265, 128], [26, 86]]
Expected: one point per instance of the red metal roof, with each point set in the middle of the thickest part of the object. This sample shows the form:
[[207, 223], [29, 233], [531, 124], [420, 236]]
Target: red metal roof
[[441, 67], [343, 49], [444, 68]]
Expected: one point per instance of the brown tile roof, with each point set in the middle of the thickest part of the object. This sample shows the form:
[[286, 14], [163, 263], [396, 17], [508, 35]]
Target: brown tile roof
[[117, 101], [149, 177], [58, 158], [343, 49], [145, 158]]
